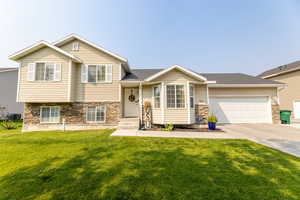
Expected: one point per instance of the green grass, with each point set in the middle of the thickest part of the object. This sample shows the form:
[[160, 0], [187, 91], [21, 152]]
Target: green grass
[[92, 165]]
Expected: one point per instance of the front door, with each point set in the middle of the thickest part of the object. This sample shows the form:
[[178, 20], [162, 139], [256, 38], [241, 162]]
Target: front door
[[131, 102]]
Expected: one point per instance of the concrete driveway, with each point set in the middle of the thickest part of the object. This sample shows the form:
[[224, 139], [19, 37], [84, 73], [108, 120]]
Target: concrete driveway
[[283, 138]]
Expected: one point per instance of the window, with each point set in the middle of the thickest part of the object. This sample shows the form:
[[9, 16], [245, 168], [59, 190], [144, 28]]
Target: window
[[156, 96], [50, 114], [75, 46], [175, 96], [95, 114], [44, 71], [96, 73], [192, 101], [92, 72]]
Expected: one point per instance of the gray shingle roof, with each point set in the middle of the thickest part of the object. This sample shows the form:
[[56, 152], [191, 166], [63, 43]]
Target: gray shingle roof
[[140, 74], [281, 69], [220, 78], [236, 78]]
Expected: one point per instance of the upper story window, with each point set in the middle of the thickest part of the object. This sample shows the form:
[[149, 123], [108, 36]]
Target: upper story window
[[75, 46], [50, 114], [175, 96], [96, 73], [192, 96], [44, 71], [156, 96]]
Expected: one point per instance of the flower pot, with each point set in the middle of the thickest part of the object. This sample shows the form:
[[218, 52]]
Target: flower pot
[[212, 125]]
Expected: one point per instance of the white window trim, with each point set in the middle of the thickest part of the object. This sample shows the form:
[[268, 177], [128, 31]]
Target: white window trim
[[184, 90], [193, 89], [50, 112], [100, 82], [153, 96], [95, 122], [45, 81]]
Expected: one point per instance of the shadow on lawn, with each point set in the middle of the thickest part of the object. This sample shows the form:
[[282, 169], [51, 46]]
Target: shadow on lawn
[[104, 173]]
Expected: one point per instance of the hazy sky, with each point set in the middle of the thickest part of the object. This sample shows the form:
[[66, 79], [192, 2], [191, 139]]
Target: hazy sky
[[246, 36]]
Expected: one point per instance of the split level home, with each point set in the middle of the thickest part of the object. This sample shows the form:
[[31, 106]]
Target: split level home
[[290, 93], [76, 84]]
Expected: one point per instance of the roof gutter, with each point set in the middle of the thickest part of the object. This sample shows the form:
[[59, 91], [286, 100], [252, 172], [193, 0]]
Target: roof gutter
[[9, 70], [283, 72], [244, 85]]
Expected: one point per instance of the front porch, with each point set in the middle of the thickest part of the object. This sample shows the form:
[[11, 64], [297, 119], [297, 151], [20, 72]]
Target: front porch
[[187, 104]]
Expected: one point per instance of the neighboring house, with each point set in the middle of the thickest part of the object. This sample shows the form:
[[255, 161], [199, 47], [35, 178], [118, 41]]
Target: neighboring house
[[290, 93], [8, 92], [76, 84]]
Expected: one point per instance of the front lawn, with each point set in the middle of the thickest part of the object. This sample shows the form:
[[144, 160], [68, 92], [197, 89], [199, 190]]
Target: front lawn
[[92, 165]]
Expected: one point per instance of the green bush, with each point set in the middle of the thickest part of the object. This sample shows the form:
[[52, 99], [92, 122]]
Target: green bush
[[8, 125], [168, 127], [212, 118]]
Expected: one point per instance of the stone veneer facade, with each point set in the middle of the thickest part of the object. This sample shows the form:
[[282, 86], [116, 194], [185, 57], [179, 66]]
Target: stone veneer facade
[[74, 115], [276, 114], [201, 113]]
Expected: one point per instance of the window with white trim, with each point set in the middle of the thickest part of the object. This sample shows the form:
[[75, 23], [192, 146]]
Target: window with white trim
[[96, 73], [175, 96], [95, 114], [192, 98], [50, 114], [156, 96], [75, 46], [44, 71]]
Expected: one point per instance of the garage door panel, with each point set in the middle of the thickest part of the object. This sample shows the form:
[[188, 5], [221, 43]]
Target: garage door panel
[[241, 110]]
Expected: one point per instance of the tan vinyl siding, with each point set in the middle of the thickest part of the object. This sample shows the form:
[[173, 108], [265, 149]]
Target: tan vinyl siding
[[156, 112], [192, 114], [173, 115], [123, 73], [272, 92], [44, 91], [175, 76], [93, 92], [74, 76], [290, 92], [201, 94], [176, 116]]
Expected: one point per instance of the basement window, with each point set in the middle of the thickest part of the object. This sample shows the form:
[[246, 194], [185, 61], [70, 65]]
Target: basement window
[[95, 114], [50, 114]]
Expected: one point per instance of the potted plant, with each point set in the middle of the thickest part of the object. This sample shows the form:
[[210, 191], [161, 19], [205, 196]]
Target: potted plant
[[212, 120]]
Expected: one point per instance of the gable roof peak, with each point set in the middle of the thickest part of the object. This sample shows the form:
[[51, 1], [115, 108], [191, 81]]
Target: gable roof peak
[[180, 68], [73, 36], [38, 45]]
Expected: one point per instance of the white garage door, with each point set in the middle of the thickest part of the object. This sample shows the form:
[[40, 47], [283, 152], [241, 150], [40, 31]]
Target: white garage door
[[241, 109]]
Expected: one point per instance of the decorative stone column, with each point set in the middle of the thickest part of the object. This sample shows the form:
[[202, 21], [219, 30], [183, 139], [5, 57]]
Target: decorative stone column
[[276, 114], [201, 113], [147, 114]]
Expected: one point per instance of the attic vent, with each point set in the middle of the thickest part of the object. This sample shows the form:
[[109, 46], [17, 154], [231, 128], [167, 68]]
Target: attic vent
[[75, 46]]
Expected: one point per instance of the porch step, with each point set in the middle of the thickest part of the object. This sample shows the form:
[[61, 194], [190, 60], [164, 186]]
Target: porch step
[[129, 123]]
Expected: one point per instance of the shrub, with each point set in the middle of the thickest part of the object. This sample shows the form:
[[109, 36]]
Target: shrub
[[8, 125], [168, 127], [212, 118]]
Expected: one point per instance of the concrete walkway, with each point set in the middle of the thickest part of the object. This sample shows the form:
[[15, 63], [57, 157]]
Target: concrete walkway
[[283, 138], [175, 134]]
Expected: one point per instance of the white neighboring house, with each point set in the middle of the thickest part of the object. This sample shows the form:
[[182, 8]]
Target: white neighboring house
[[8, 92]]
